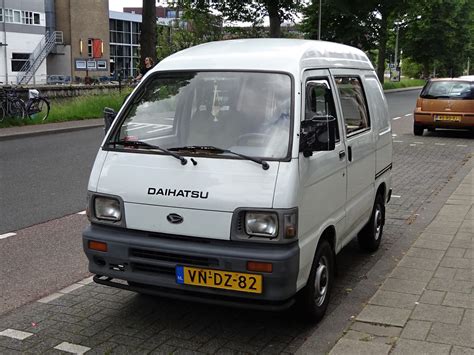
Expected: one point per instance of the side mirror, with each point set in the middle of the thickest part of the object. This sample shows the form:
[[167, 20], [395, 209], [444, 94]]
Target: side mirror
[[318, 134], [109, 116]]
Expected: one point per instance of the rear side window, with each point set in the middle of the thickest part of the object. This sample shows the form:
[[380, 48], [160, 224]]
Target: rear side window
[[354, 105], [448, 89]]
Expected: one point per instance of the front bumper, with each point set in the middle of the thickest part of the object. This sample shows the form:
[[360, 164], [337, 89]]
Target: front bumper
[[147, 261]]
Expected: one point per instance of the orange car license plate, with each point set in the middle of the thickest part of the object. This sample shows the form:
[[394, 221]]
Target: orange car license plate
[[228, 280], [451, 118]]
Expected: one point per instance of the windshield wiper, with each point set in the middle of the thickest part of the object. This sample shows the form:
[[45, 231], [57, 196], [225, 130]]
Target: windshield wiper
[[150, 146], [195, 148]]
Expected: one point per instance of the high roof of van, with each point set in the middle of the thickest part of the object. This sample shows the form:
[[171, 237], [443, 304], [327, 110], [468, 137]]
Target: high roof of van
[[286, 55]]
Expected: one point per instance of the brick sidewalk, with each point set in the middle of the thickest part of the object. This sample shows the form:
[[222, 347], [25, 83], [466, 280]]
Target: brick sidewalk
[[426, 305]]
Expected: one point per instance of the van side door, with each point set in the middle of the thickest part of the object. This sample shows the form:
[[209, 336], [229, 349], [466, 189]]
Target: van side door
[[360, 140], [323, 174]]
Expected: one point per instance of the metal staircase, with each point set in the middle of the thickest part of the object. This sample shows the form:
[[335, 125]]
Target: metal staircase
[[46, 45]]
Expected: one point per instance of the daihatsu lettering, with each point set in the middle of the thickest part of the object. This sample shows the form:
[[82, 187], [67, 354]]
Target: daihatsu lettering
[[289, 148]]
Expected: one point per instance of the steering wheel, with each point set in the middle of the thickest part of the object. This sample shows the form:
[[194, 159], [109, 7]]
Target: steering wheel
[[257, 137]]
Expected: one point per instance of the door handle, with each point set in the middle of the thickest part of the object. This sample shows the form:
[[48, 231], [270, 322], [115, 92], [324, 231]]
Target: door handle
[[349, 153], [342, 154]]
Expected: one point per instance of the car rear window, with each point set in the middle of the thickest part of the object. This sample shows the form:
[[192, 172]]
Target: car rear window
[[448, 90]]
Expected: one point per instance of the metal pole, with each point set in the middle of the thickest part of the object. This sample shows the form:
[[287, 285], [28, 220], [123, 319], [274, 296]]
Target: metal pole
[[5, 43], [319, 21], [396, 47]]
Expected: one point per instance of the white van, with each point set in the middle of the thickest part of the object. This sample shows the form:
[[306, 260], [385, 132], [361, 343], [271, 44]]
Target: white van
[[237, 170]]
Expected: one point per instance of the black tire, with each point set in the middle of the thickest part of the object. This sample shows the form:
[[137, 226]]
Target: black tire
[[38, 108], [313, 299], [17, 109], [431, 129], [418, 130], [370, 236]]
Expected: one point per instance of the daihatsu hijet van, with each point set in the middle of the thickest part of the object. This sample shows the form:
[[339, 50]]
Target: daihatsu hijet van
[[237, 170]]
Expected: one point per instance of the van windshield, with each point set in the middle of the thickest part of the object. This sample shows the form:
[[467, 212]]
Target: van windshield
[[244, 112], [448, 89]]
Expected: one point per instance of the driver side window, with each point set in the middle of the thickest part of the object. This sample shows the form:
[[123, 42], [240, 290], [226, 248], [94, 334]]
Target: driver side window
[[320, 101]]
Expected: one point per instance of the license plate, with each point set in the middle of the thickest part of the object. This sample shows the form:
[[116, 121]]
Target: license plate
[[451, 118], [228, 280]]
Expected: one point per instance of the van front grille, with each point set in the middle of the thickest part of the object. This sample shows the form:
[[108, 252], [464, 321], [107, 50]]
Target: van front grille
[[174, 258], [152, 268]]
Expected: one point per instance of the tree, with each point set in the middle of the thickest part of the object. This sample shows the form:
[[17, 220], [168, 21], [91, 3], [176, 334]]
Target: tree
[[254, 11], [148, 31], [442, 39]]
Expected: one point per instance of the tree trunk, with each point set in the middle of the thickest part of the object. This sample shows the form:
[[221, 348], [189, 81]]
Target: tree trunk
[[275, 21], [148, 32], [382, 47]]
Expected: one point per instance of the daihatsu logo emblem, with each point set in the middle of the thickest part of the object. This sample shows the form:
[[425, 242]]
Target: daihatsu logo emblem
[[174, 218]]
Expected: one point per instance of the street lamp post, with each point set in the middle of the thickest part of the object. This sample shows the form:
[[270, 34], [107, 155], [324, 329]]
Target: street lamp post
[[397, 31], [319, 21]]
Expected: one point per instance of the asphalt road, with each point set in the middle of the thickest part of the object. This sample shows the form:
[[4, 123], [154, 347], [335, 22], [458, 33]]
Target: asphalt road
[[46, 257]]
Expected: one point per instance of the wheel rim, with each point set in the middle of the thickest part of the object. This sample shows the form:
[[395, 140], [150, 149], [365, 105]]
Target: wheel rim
[[321, 281], [378, 223]]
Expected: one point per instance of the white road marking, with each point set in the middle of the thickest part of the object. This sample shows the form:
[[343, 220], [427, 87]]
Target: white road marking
[[50, 298], [409, 114], [396, 118], [82, 212], [71, 288], [440, 143], [160, 129], [394, 135], [418, 142], [396, 196], [461, 145], [397, 141], [412, 145], [86, 281], [15, 334], [7, 235], [72, 348]]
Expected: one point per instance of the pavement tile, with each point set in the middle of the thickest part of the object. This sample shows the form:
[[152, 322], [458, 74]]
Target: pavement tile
[[437, 237], [349, 346], [452, 334], [456, 252], [445, 273], [404, 286], [462, 300], [459, 350], [384, 315], [426, 253], [458, 263], [416, 347], [450, 285], [417, 263], [406, 273], [394, 299], [464, 275], [469, 254], [416, 330], [432, 297], [431, 244], [436, 313], [440, 229], [468, 318], [376, 329], [453, 211]]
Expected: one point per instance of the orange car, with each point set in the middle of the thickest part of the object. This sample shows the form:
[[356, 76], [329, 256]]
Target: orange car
[[445, 103]]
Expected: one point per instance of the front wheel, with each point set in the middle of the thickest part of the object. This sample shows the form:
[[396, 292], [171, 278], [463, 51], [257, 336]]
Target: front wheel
[[370, 236], [38, 108], [314, 298]]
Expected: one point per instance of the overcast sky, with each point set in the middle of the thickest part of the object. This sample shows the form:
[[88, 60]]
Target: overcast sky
[[118, 5]]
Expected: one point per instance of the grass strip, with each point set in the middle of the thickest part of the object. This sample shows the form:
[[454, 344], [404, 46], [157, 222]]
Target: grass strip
[[404, 83]]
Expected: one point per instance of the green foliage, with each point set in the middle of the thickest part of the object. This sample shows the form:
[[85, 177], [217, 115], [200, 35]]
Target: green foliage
[[411, 69], [404, 83], [77, 108]]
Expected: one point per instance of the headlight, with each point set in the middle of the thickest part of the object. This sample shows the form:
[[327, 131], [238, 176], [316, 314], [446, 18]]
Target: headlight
[[107, 208], [261, 224]]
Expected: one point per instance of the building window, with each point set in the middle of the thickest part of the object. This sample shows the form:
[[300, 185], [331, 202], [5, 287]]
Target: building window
[[90, 48], [19, 60], [36, 19], [8, 15], [27, 17], [1, 15], [17, 16]]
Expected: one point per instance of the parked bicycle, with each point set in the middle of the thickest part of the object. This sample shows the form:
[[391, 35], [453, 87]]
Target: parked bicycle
[[11, 104], [37, 106]]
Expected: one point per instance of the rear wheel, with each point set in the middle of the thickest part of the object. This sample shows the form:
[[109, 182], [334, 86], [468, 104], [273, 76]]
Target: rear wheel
[[370, 236], [418, 130], [313, 300], [38, 108], [17, 109]]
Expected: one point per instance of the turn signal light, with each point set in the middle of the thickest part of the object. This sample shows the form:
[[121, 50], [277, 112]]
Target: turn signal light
[[99, 246], [259, 267]]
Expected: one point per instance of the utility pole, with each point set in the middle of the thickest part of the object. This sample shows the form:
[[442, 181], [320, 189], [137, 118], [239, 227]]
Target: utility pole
[[319, 21]]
